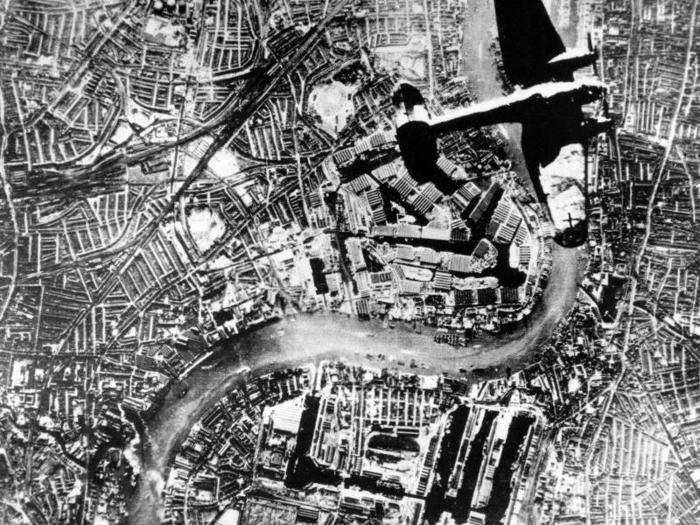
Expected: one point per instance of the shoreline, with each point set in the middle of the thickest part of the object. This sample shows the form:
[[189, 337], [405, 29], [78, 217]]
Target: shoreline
[[314, 337]]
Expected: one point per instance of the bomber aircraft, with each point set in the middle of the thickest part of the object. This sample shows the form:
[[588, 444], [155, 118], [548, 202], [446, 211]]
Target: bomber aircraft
[[548, 102]]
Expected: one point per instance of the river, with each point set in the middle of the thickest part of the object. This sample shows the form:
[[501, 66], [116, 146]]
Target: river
[[311, 338], [333, 336]]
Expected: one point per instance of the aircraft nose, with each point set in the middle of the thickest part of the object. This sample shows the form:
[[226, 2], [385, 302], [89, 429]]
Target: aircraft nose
[[594, 92], [600, 90]]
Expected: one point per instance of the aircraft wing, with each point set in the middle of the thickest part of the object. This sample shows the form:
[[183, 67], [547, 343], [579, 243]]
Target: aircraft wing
[[536, 103], [528, 42]]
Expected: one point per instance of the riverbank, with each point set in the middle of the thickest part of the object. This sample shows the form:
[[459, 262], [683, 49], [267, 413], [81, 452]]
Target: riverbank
[[312, 338]]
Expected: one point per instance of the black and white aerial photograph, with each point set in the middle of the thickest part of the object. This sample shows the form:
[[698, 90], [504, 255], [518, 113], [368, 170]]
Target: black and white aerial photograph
[[349, 262]]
